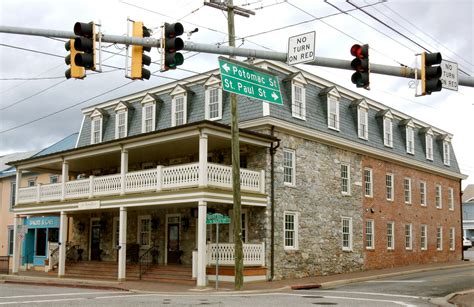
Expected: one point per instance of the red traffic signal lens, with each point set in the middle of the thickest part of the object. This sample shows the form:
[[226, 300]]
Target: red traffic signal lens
[[359, 51]]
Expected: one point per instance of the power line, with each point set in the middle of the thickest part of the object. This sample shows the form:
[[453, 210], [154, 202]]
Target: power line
[[31, 79]]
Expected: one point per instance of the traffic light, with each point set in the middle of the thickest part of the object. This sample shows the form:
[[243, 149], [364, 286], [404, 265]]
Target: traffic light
[[74, 71], [170, 43], [138, 57], [361, 65], [430, 74], [85, 43]]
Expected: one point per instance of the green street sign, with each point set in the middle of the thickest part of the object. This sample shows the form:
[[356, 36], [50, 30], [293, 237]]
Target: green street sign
[[217, 218], [250, 81]]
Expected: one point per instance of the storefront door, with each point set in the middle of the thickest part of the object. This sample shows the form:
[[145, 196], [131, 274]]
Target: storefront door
[[174, 253], [95, 240]]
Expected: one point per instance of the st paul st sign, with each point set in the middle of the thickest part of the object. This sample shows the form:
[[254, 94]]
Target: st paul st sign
[[250, 81]]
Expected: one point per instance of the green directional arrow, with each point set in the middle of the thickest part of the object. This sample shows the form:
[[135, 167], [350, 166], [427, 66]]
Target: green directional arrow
[[250, 81]]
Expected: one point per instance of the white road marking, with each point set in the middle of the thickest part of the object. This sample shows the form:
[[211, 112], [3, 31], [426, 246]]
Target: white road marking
[[43, 301], [372, 293], [401, 281], [369, 300], [59, 294]]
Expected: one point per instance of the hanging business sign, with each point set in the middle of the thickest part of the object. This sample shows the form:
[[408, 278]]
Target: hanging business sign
[[42, 222]]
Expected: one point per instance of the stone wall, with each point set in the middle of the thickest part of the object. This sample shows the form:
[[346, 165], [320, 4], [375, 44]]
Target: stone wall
[[320, 205]]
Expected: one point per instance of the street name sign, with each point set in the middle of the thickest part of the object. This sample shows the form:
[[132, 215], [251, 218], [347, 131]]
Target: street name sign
[[248, 80], [449, 77], [217, 218], [301, 48]]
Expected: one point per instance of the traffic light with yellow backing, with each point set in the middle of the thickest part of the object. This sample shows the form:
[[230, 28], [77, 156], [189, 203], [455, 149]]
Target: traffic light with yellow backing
[[430, 75], [138, 57], [74, 71]]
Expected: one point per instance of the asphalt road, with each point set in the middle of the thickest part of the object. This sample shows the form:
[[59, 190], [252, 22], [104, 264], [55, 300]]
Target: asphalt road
[[408, 290]]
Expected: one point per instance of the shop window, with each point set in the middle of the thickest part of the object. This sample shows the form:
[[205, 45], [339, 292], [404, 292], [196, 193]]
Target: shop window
[[41, 242]]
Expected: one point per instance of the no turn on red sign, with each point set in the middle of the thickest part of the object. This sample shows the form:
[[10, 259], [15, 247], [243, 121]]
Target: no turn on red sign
[[301, 48], [449, 76]]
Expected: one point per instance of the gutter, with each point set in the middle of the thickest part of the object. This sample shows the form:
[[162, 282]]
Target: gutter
[[272, 201]]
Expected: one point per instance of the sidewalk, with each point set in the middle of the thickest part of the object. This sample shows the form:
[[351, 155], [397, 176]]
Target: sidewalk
[[38, 278]]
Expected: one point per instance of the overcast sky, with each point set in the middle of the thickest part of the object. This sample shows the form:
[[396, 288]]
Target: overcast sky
[[446, 26]]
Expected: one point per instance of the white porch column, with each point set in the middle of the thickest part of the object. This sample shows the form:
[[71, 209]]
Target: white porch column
[[123, 169], [17, 221], [62, 244], [122, 262], [201, 263], [202, 160], [17, 186], [64, 179]]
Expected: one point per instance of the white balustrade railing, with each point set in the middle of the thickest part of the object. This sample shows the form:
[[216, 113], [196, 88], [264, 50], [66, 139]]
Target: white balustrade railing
[[160, 178], [27, 195], [107, 185], [50, 192], [140, 181], [180, 176], [254, 254]]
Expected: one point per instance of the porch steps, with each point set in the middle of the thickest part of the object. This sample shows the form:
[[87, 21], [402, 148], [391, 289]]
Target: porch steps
[[179, 274]]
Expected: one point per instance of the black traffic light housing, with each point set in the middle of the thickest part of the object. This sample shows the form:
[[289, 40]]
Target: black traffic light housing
[[361, 65], [85, 42], [138, 57], [430, 75], [170, 43]]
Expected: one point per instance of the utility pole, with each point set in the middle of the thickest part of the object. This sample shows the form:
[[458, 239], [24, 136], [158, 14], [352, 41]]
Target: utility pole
[[235, 147]]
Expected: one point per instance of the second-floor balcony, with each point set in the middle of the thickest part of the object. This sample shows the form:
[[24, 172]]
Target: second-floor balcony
[[158, 179]]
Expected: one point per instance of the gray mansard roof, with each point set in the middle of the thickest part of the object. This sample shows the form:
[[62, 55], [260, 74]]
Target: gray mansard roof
[[251, 109]]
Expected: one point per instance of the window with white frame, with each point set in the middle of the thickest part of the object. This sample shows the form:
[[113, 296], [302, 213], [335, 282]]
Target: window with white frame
[[369, 234], [12, 193], [345, 179], [244, 228], [53, 179], [333, 113], [289, 166], [96, 130], [368, 184], [451, 199], [446, 153], [451, 239], [346, 233], [438, 197], [390, 235], [291, 230], [408, 236], [410, 135], [144, 230], [363, 122], [387, 132], [429, 146], [179, 110], [148, 117], [298, 104], [31, 182], [439, 238], [423, 193], [423, 237], [121, 124], [10, 241], [389, 185], [407, 189], [213, 97]]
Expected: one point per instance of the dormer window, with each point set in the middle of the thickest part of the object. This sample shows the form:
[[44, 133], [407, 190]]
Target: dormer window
[[387, 131], [429, 145], [96, 126], [446, 152], [298, 94], [213, 99], [179, 105], [362, 118], [121, 120], [410, 138], [149, 112], [333, 113]]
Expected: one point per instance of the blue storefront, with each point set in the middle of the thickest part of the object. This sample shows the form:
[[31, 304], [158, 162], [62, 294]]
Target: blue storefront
[[41, 231]]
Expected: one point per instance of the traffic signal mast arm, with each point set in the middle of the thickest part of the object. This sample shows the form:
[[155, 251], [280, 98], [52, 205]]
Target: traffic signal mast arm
[[397, 71]]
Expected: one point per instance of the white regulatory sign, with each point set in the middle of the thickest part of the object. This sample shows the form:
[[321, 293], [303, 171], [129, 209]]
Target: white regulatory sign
[[449, 78], [301, 48]]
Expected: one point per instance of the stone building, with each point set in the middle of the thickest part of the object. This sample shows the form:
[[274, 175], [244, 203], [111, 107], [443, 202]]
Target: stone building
[[331, 181]]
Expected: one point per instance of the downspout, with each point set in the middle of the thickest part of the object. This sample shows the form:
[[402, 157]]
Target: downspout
[[462, 230], [272, 201]]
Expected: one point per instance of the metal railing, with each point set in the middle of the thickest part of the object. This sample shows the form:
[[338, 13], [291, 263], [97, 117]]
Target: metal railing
[[149, 257]]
